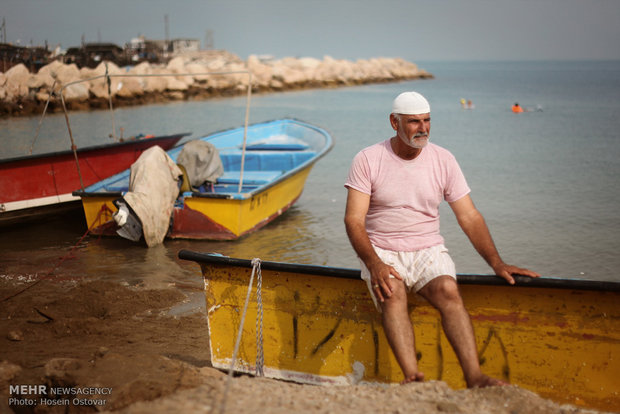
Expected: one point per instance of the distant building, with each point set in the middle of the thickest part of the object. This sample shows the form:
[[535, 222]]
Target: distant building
[[141, 49], [179, 46], [34, 58], [92, 54]]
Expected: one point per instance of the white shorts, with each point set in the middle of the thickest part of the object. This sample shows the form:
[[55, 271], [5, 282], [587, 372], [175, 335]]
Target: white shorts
[[417, 268]]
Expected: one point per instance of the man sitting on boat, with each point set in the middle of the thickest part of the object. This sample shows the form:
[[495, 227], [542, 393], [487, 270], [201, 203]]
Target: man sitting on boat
[[392, 220]]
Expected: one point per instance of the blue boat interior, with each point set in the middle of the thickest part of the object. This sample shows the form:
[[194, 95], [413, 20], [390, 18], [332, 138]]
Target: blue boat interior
[[261, 167], [273, 150]]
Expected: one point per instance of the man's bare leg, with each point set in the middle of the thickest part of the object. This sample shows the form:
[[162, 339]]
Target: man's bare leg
[[444, 295], [399, 331]]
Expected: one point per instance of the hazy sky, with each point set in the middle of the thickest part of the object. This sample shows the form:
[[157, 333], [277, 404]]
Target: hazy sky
[[416, 30]]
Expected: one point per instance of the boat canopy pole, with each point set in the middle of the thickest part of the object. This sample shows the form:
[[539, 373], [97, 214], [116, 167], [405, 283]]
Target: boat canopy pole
[[109, 84], [49, 97], [107, 77], [73, 147], [245, 130]]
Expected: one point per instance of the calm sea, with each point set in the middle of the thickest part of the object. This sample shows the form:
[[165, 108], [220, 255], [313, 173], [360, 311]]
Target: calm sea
[[546, 181]]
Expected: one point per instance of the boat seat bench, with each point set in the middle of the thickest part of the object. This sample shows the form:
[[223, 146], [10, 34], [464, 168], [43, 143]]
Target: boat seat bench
[[265, 161], [249, 177], [277, 147]]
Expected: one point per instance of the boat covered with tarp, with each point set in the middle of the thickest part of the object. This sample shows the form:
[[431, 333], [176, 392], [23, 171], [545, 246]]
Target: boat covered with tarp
[[252, 175]]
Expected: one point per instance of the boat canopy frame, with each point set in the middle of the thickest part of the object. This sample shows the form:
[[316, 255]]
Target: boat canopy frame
[[107, 76]]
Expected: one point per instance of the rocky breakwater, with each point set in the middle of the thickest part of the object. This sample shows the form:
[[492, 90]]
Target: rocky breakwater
[[25, 93]]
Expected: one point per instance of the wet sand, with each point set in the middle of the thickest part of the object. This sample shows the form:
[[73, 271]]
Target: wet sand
[[150, 348]]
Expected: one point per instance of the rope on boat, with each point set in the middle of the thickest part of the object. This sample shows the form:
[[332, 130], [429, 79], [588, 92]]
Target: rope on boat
[[260, 358], [259, 346]]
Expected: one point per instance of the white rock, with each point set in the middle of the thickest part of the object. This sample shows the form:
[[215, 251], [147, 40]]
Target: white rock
[[129, 87], [195, 68], [174, 84], [176, 65], [155, 84], [50, 69], [143, 68], [76, 92], [16, 82], [17, 74], [262, 74], [67, 73]]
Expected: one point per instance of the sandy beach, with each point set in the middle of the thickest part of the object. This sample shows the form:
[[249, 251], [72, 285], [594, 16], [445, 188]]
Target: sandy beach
[[124, 343]]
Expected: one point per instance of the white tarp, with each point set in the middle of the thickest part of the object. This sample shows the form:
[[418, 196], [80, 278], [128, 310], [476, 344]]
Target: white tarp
[[201, 161], [153, 189]]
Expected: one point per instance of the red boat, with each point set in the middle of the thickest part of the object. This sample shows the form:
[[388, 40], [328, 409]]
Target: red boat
[[39, 185]]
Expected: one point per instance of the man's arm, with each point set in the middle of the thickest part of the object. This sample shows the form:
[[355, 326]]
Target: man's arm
[[355, 223], [474, 226]]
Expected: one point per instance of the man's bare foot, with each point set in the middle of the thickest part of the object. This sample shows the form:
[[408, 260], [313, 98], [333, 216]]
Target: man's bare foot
[[417, 377], [486, 381]]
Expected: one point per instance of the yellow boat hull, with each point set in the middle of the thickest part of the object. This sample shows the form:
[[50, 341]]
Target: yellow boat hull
[[98, 213], [563, 343], [260, 180], [210, 218], [228, 218]]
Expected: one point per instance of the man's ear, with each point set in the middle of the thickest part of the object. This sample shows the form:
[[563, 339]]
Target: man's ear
[[394, 122]]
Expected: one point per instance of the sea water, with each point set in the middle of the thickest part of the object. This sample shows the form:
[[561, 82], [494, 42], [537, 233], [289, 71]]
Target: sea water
[[545, 180]]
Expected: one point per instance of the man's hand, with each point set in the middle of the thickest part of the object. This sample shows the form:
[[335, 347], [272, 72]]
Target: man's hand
[[380, 274], [355, 223], [474, 226], [506, 271]]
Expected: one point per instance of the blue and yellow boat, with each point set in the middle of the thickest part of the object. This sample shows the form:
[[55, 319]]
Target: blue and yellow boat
[[265, 170], [557, 337]]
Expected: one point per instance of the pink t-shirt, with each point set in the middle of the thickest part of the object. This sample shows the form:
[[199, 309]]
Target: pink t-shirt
[[405, 195]]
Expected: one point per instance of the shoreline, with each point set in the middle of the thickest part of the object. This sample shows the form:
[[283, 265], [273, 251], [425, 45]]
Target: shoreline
[[24, 94]]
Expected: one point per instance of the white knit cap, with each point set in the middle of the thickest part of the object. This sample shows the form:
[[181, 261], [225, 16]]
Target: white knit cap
[[410, 103]]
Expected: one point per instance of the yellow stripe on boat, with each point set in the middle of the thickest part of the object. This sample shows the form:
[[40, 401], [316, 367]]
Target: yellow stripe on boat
[[320, 326], [243, 216]]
